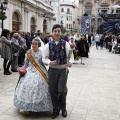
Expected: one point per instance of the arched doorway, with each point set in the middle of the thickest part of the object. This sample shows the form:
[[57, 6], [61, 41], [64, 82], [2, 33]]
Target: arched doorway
[[15, 21], [33, 24]]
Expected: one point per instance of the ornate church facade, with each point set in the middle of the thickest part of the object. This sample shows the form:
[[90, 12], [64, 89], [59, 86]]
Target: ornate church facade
[[93, 8]]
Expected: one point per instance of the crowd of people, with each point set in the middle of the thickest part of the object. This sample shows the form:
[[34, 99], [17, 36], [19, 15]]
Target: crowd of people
[[109, 41], [15, 44]]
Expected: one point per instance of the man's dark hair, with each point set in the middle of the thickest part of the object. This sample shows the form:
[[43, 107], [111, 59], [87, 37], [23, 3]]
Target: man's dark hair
[[5, 32], [38, 33], [56, 26]]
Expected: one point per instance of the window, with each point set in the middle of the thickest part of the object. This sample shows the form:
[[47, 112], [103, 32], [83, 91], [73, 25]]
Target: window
[[15, 16], [118, 11], [55, 11], [68, 11], [32, 21], [67, 26], [67, 18], [15, 21], [62, 10], [88, 10], [54, 4], [104, 11], [54, 19], [33, 26]]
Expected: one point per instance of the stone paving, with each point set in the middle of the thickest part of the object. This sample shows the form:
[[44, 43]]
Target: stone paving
[[93, 90]]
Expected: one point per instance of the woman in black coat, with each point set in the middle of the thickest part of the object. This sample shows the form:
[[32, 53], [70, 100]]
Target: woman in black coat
[[83, 48], [101, 41]]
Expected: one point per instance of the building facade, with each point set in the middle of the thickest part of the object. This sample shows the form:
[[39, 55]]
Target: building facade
[[64, 11], [93, 8], [29, 15]]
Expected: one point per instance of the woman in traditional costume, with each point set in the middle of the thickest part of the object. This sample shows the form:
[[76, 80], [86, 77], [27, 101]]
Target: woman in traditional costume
[[32, 91], [73, 47]]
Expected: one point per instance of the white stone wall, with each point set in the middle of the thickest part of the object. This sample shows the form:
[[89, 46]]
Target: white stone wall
[[58, 5], [56, 10], [72, 14], [33, 8]]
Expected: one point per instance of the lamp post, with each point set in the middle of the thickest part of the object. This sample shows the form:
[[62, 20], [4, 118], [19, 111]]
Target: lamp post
[[97, 1], [3, 8]]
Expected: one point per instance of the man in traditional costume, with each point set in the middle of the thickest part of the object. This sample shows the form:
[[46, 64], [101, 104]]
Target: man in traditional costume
[[56, 54]]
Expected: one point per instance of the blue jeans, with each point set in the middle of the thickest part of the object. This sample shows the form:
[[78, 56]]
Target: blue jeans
[[93, 42], [97, 44]]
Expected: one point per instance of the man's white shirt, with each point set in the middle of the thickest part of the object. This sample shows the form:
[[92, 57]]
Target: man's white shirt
[[45, 53]]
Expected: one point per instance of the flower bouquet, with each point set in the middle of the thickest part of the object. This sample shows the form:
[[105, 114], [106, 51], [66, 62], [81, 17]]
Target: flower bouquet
[[22, 72]]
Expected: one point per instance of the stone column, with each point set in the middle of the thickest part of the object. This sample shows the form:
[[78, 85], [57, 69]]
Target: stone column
[[38, 22], [26, 20], [23, 18], [48, 24], [41, 22]]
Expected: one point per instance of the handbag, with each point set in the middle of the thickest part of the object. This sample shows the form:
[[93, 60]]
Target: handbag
[[109, 43]]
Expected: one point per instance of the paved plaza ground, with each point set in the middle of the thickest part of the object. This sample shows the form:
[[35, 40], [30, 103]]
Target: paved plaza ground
[[93, 90]]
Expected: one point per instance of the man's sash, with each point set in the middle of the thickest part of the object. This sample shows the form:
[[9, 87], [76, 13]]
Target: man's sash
[[33, 62]]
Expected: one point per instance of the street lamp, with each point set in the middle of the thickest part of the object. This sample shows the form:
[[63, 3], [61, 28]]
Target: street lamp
[[3, 8]]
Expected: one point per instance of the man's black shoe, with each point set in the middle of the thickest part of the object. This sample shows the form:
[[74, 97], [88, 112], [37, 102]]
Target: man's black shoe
[[64, 113], [20, 65], [54, 115], [14, 70]]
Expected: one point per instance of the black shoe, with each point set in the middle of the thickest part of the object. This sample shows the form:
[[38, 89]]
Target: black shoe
[[9, 72], [14, 70], [54, 115], [64, 113], [6, 73], [20, 65]]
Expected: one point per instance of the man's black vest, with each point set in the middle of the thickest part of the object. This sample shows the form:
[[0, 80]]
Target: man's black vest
[[58, 52]]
